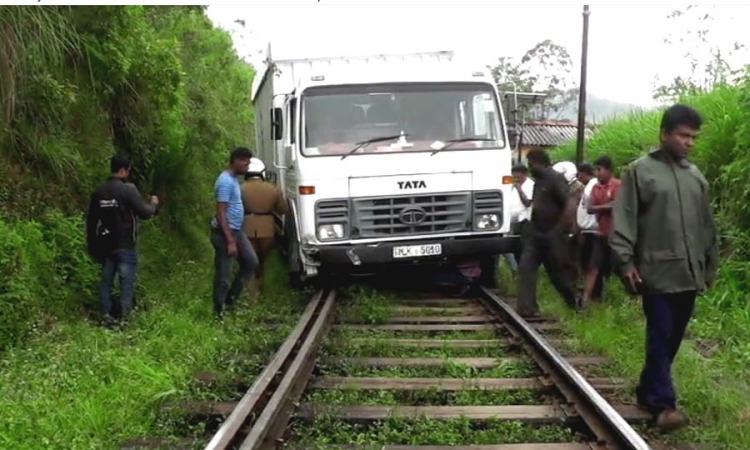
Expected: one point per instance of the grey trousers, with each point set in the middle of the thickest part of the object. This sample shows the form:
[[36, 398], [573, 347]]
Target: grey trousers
[[227, 291]]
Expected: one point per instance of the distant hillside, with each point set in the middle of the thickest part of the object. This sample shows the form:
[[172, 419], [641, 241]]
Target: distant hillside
[[598, 109]]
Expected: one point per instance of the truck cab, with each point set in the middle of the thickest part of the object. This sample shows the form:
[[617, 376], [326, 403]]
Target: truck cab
[[394, 159]]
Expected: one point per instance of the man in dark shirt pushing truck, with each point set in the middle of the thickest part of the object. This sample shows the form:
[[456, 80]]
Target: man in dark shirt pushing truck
[[546, 240]]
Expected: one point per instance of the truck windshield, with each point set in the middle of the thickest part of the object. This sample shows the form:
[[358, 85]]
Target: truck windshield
[[338, 118]]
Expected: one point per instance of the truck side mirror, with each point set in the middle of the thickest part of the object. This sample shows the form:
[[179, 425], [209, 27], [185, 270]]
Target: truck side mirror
[[277, 124]]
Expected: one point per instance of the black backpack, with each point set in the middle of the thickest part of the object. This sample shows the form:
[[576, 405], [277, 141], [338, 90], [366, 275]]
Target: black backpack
[[108, 210]]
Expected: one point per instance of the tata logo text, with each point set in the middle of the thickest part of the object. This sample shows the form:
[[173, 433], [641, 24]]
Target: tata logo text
[[415, 184]]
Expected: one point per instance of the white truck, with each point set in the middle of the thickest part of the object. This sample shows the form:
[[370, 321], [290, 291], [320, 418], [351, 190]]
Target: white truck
[[386, 159]]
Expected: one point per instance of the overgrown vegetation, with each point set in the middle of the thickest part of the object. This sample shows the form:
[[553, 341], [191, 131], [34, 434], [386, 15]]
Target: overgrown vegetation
[[79, 386], [77, 85], [709, 388]]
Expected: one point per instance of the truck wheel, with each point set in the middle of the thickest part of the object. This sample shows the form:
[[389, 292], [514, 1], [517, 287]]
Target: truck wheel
[[296, 275], [490, 277], [294, 264]]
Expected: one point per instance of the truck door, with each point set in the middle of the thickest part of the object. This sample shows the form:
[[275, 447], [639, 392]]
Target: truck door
[[289, 155]]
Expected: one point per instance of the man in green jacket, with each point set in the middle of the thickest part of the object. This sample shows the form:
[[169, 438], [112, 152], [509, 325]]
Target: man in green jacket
[[665, 239]]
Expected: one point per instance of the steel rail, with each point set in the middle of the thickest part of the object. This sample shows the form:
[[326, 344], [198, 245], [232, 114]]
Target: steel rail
[[616, 426], [291, 385], [227, 433]]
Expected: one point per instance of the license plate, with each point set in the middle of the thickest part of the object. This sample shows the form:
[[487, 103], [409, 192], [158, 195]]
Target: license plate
[[415, 251]]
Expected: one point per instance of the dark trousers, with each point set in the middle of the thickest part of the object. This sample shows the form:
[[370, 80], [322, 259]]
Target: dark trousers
[[553, 250], [667, 317], [123, 262], [520, 229], [225, 294]]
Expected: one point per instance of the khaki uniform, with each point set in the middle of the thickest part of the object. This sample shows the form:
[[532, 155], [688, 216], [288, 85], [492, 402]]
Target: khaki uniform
[[261, 200]]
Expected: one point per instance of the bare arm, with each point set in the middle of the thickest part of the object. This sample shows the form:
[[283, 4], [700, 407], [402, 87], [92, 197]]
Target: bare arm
[[525, 200], [593, 209], [221, 218]]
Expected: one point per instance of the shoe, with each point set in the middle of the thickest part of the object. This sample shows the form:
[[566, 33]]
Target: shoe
[[671, 419], [109, 322]]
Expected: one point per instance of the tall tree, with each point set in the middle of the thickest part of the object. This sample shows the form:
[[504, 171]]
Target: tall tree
[[708, 58], [547, 67]]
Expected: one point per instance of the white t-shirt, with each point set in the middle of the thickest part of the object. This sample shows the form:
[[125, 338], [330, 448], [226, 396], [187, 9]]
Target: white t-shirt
[[586, 221], [519, 212]]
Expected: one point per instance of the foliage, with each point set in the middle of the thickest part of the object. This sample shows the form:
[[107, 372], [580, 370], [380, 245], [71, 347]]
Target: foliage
[[720, 153], [78, 84], [709, 62], [79, 386], [545, 68]]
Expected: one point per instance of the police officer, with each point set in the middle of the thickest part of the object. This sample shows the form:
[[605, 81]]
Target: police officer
[[262, 200]]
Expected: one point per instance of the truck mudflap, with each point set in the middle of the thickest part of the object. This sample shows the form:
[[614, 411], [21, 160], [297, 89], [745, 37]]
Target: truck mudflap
[[409, 252]]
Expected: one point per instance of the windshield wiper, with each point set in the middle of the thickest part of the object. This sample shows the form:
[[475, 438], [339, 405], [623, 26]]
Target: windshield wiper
[[363, 144], [456, 141]]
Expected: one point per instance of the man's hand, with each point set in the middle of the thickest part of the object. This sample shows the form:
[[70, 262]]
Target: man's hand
[[634, 278], [232, 248], [154, 200], [517, 186]]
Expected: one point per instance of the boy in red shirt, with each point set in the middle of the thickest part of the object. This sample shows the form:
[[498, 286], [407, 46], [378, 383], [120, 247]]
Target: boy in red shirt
[[602, 199]]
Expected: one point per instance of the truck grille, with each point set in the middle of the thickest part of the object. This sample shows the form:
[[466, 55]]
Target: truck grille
[[423, 214], [488, 202]]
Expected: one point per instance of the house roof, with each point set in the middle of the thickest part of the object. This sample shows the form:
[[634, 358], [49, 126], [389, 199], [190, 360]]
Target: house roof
[[550, 134]]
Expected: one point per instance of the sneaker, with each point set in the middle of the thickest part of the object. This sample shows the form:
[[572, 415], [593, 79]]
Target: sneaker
[[671, 420]]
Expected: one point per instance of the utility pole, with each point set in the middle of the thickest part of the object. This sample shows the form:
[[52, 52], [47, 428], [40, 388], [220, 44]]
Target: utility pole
[[582, 89]]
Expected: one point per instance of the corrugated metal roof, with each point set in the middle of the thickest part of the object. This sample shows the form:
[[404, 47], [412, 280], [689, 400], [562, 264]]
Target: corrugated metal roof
[[550, 134]]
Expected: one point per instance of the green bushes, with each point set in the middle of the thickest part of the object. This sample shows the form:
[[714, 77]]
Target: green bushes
[[78, 84], [721, 153], [43, 272]]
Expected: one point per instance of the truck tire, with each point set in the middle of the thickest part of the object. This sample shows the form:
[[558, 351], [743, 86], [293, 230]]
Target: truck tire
[[294, 264], [490, 277]]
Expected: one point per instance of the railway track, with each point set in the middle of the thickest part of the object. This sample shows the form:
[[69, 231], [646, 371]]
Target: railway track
[[336, 369]]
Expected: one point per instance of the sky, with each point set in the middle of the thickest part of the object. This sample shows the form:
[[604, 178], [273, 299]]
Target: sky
[[627, 54]]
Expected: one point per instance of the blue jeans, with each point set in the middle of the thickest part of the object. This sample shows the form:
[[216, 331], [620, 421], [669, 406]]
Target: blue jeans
[[124, 262], [225, 294], [667, 316]]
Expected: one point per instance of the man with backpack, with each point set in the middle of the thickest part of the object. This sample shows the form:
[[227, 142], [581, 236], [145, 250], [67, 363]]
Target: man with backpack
[[112, 233]]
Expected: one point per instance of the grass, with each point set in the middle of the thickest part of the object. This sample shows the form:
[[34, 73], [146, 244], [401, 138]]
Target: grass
[[325, 431], [80, 386], [471, 397], [710, 390]]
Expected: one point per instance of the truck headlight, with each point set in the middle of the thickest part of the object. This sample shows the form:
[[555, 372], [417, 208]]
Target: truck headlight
[[487, 222], [331, 231]]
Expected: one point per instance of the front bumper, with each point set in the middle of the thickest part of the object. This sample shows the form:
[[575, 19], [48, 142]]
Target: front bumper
[[382, 252]]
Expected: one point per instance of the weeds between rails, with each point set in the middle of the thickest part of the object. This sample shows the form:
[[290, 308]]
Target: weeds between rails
[[430, 372]]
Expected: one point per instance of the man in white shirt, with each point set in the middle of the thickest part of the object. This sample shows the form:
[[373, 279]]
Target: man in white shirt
[[587, 223], [520, 209]]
